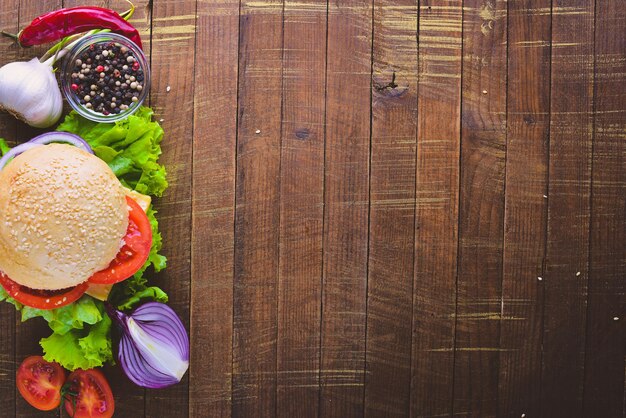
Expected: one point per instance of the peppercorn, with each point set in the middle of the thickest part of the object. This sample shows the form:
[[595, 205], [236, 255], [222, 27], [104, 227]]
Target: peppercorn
[[108, 77]]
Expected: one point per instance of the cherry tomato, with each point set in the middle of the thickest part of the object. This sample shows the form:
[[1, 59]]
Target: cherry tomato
[[41, 299], [40, 382], [134, 252], [90, 395]]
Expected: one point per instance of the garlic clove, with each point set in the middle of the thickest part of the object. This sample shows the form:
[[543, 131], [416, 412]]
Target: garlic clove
[[29, 91]]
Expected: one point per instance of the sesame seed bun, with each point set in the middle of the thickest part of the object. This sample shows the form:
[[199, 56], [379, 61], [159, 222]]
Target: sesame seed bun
[[63, 215]]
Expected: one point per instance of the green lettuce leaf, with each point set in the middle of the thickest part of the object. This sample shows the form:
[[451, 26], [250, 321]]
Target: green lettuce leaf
[[81, 348], [4, 147], [85, 311], [131, 148], [4, 296]]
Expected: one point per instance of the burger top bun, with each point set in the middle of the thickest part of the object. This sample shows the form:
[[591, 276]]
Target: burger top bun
[[63, 215]]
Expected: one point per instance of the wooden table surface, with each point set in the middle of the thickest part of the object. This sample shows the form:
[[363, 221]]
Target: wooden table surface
[[385, 208]]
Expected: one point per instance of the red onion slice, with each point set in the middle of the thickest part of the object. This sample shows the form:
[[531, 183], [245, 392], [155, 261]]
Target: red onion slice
[[15, 151], [50, 137], [44, 139]]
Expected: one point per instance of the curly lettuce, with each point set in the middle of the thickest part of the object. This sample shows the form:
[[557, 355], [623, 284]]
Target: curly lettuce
[[131, 148], [81, 331]]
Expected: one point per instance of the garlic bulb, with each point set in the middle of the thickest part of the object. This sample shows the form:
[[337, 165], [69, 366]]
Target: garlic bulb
[[29, 91]]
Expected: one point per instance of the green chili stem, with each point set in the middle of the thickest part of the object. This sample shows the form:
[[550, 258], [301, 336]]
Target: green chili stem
[[10, 35]]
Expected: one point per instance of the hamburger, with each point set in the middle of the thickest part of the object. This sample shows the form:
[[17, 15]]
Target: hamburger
[[66, 224]]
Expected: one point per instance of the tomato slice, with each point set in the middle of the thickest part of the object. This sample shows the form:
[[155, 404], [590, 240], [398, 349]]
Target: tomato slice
[[41, 299], [134, 252], [93, 397], [40, 382]]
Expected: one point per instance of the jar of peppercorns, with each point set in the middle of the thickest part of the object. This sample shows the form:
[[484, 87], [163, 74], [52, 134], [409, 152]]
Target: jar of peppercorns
[[105, 77]]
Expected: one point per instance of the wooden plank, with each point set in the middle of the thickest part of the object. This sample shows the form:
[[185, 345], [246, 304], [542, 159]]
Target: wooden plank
[[113, 4], [8, 126], [481, 217], [528, 97], [142, 18], [392, 209], [215, 130], [301, 208], [437, 189], [566, 271], [28, 334], [129, 398], [604, 362], [346, 201], [257, 209], [172, 64]]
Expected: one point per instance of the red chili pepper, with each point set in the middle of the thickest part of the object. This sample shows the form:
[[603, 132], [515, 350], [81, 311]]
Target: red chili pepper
[[60, 23]]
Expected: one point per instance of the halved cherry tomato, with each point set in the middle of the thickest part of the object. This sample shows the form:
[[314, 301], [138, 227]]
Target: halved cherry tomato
[[92, 396], [135, 251], [41, 299], [40, 382]]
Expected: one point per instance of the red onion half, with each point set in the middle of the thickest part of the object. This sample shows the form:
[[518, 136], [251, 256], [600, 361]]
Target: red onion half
[[154, 345]]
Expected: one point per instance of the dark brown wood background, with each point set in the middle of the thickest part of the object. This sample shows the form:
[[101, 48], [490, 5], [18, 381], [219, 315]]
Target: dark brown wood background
[[382, 208]]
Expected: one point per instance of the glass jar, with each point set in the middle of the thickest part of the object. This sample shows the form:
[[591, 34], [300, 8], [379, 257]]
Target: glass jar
[[124, 89]]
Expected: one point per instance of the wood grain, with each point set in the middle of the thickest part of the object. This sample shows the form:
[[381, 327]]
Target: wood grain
[[481, 207], [214, 136], [301, 208], [437, 200], [346, 200], [571, 131], [605, 335], [257, 209], [172, 65], [380, 208], [392, 209], [528, 122]]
